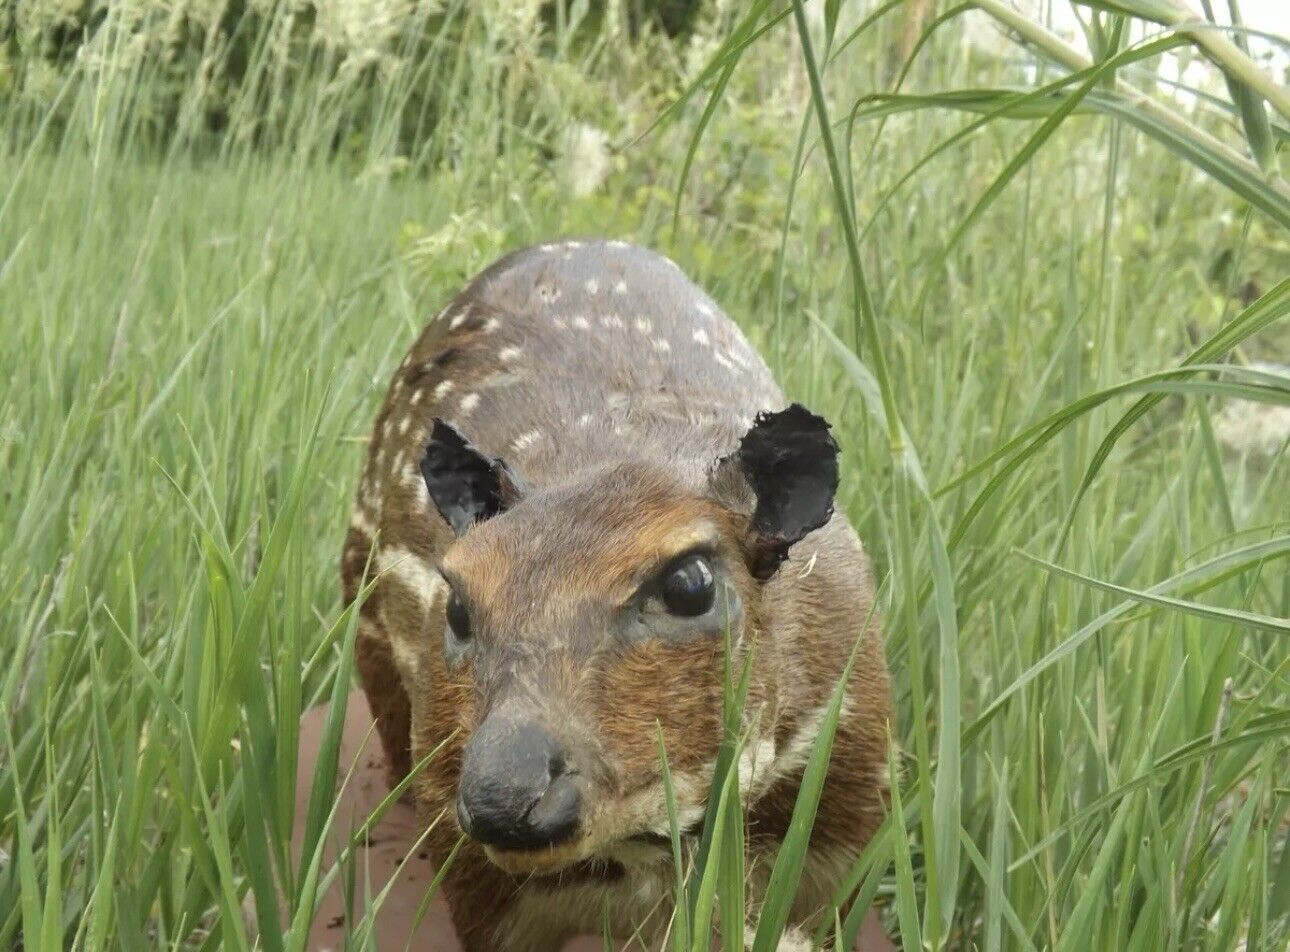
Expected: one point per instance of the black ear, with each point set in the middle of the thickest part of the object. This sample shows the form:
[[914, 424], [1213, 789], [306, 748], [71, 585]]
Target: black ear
[[788, 464], [465, 485]]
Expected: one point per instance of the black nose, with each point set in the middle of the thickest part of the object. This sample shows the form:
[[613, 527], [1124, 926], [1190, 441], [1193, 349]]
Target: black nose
[[515, 791]]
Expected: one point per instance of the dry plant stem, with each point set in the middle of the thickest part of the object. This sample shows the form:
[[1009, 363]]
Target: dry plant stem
[[1068, 56], [1207, 770], [1231, 58]]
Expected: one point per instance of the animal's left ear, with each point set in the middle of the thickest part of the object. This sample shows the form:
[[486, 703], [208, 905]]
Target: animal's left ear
[[784, 476], [465, 484]]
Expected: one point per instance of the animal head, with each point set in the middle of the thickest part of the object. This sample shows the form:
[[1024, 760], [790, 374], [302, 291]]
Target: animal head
[[582, 620]]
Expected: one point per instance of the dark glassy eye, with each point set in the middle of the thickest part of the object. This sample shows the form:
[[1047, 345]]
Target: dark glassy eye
[[688, 588], [458, 618]]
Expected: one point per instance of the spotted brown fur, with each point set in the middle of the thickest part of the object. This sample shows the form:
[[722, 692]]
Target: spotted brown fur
[[611, 386]]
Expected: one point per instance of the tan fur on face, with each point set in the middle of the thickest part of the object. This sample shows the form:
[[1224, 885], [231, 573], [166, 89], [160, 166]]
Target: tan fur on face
[[578, 546], [675, 687]]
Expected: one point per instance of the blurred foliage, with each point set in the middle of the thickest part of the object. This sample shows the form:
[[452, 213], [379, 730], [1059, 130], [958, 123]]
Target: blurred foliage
[[205, 71]]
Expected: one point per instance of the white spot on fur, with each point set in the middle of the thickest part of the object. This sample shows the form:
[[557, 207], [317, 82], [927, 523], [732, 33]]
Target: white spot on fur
[[755, 765], [468, 403], [723, 360], [644, 325], [413, 573], [704, 309], [459, 318], [404, 425], [662, 346], [361, 521], [416, 396], [525, 440], [620, 287], [491, 325], [792, 939], [592, 286], [612, 320], [795, 753], [618, 243], [559, 323], [415, 483], [507, 354], [585, 419], [701, 337], [443, 389], [407, 657], [581, 323]]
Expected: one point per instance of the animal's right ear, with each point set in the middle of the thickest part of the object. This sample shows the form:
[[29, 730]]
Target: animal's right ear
[[465, 485], [782, 477]]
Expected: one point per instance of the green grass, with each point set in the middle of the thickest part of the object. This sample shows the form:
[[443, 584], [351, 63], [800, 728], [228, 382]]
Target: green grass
[[1023, 341]]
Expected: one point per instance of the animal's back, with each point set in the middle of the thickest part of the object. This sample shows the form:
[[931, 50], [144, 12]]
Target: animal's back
[[565, 356]]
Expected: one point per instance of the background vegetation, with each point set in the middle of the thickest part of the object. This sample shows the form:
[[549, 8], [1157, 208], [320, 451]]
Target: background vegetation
[[1039, 287]]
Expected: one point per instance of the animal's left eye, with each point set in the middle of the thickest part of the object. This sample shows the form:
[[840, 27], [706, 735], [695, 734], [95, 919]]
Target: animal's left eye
[[458, 618], [688, 588]]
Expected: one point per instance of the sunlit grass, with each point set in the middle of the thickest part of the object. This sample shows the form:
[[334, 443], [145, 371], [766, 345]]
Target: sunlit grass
[[1021, 305]]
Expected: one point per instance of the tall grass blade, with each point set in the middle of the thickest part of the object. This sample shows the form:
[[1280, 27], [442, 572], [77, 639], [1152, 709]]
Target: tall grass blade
[[787, 871]]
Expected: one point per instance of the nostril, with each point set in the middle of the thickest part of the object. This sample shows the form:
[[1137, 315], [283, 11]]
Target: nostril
[[553, 817], [555, 766]]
